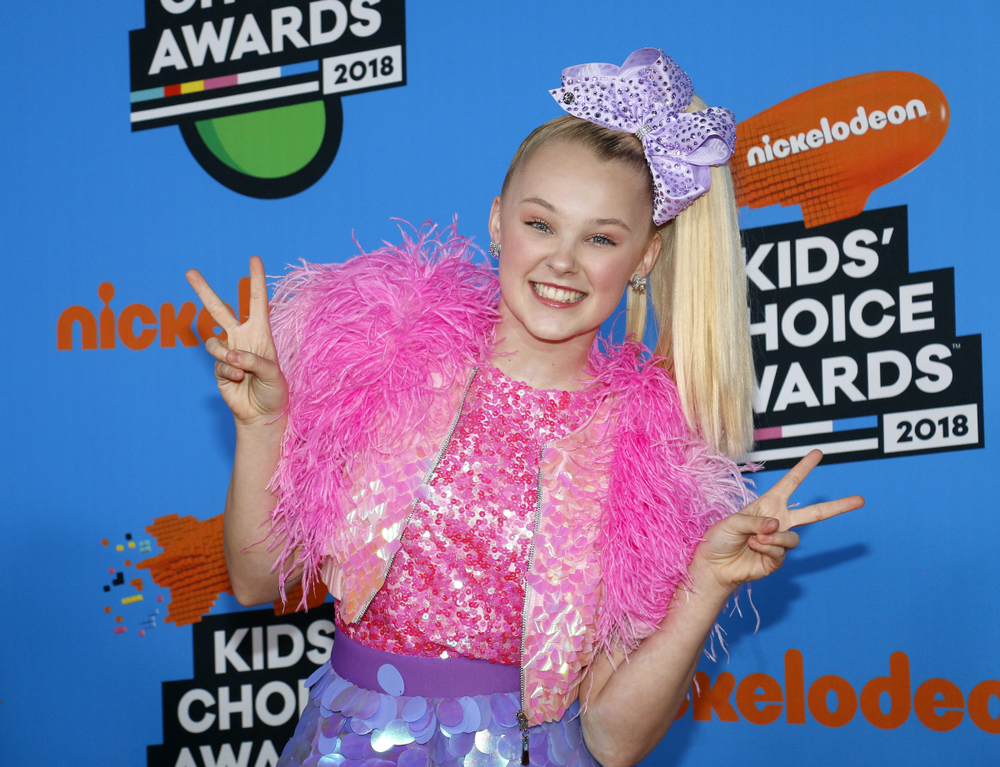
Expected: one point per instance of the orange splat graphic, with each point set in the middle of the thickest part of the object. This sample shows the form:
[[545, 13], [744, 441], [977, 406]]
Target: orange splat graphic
[[193, 567]]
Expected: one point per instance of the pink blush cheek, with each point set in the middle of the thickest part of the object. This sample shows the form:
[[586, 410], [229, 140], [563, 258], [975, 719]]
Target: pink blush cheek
[[608, 290]]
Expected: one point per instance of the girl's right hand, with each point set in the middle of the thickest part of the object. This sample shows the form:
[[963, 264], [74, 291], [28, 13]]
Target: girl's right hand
[[752, 543], [246, 366]]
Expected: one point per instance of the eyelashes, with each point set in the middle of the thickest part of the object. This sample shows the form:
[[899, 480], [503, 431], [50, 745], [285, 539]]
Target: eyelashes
[[540, 225], [603, 240]]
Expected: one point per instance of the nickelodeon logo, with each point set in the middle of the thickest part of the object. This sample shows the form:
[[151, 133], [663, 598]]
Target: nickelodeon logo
[[840, 131], [829, 148], [137, 325], [886, 702]]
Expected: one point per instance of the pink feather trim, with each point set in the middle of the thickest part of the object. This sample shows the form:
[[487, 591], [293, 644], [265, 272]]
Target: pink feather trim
[[363, 346], [666, 487]]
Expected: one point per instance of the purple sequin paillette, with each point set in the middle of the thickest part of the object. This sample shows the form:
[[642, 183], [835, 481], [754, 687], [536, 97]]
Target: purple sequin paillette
[[345, 725], [457, 584]]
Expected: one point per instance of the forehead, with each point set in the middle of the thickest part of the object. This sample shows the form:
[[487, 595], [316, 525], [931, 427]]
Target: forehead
[[575, 176]]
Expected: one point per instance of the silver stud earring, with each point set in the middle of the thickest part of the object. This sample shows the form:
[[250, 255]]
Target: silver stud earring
[[494, 249], [638, 283]]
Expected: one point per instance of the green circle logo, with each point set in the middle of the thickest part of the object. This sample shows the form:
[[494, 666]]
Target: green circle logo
[[269, 153]]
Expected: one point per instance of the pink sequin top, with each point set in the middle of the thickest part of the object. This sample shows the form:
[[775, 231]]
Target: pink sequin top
[[456, 586]]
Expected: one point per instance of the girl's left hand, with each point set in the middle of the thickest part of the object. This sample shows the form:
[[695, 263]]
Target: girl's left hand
[[753, 542]]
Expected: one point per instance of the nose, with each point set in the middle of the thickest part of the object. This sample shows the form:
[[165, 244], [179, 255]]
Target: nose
[[562, 259]]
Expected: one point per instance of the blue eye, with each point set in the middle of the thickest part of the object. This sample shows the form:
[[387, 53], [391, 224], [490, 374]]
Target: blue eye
[[601, 239], [538, 225]]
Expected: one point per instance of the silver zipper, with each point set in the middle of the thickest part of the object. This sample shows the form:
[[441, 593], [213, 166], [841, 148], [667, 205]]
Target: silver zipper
[[427, 478], [522, 716]]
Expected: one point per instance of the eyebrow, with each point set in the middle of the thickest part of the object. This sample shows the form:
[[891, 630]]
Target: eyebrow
[[597, 221], [539, 201], [612, 222]]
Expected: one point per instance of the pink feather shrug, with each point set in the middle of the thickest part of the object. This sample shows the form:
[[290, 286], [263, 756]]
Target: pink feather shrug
[[377, 352]]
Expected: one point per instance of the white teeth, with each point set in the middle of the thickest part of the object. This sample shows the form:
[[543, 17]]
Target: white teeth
[[557, 294]]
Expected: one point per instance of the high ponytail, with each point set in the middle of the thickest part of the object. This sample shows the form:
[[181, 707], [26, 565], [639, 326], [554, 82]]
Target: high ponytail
[[699, 296]]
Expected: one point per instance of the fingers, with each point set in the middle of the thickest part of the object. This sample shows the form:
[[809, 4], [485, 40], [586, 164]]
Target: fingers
[[222, 353], [216, 348], [762, 531], [223, 369], [221, 313], [774, 546], [775, 553], [787, 485], [233, 363], [785, 540], [749, 524], [817, 512], [215, 305], [258, 290], [264, 369], [228, 372]]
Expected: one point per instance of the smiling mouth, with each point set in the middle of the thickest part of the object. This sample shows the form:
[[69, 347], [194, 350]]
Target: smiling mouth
[[560, 295]]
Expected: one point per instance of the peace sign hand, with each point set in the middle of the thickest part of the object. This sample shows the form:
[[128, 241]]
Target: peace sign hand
[[246, 366], [753, 542]]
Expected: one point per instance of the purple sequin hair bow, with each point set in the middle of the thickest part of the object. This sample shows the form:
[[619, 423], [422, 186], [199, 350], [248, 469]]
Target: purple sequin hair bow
[[647, 97]]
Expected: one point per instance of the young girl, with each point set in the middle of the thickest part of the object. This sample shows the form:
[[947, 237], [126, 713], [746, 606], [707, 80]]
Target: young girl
[[529, 534]]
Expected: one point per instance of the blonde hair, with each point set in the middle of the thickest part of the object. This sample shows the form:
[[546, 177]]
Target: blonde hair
[[697, 288]]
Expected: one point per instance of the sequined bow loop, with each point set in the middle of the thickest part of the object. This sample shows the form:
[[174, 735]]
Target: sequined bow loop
[[647, 96]]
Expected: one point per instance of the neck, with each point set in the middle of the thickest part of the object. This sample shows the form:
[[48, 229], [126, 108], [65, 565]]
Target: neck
[[537, 362]]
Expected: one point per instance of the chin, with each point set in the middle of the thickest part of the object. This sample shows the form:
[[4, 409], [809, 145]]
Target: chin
[[556, 334], [539, 322]]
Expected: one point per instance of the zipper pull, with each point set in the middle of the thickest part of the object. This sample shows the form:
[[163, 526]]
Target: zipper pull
[[522, 722]]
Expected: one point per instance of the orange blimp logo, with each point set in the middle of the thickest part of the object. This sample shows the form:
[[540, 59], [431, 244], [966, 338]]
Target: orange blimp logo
[[827, 149]]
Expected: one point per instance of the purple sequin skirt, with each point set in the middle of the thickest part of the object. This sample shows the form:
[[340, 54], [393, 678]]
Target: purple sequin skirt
[[369, 708]]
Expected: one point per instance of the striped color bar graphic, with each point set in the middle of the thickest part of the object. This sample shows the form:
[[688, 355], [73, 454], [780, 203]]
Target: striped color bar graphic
[[227, 81], [226, 101], [815, 427], [828, 448]]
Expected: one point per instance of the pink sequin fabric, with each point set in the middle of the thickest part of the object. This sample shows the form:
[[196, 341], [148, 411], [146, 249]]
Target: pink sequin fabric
[[456, 586]]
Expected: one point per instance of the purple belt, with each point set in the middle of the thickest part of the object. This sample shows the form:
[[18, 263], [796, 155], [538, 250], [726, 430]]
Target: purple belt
[[411, 675]]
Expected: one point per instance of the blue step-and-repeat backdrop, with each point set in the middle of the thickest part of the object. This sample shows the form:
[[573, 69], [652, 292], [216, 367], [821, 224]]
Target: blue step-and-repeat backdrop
[[143, 138]]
